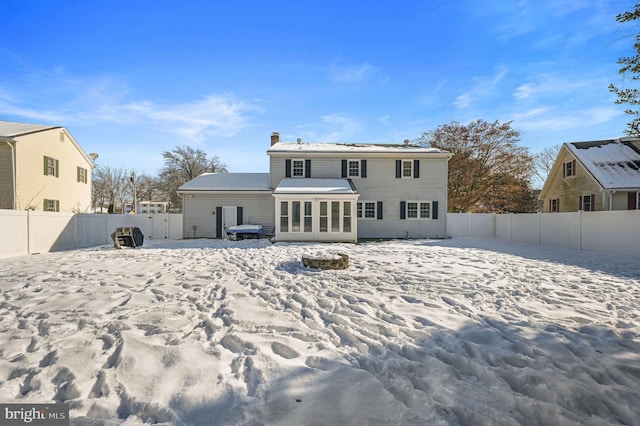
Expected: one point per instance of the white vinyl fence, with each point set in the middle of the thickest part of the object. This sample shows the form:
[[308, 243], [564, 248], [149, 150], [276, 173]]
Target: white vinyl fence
[[616, 232], [29, 232]]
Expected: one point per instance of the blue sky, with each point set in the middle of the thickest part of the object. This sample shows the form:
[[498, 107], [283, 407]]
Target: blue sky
[[131, 79]]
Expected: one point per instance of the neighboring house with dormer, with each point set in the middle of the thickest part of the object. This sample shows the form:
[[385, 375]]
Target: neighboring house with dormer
[[326, 192], [43, 168], [594, 176]]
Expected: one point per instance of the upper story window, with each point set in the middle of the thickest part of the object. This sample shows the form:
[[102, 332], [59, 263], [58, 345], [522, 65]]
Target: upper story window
[[407, 169], [297, 168], [638, 200], [81, 175], [569, 168], [51, 166], [354, 168], [554, 205]]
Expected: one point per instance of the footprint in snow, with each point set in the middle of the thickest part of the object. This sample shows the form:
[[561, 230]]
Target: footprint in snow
[[284, 351]]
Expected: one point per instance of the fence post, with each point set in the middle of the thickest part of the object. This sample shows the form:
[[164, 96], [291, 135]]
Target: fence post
[[539, 226], [580, 230]]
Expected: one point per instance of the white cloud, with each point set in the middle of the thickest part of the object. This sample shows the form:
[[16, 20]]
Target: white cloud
[[352, 73], [65, 100], [549, 118], [220, 115], [482, 87]]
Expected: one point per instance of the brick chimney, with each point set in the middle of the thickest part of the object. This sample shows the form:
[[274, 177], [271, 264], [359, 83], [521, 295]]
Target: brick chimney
[[275, 138]]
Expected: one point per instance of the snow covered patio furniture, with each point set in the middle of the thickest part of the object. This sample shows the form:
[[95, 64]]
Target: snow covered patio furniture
[[240, 232], [129, 236]]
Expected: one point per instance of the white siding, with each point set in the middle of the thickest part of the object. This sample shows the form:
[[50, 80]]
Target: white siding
[[381, 184], [33, 186], [6, 177], [199, 211]]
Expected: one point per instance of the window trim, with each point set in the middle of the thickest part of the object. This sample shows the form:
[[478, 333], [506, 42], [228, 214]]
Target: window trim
[[361, 209], [81, 175], [51, 170], [293, 168], [569, 168], [402, 169], [418, 204], [359, 167]]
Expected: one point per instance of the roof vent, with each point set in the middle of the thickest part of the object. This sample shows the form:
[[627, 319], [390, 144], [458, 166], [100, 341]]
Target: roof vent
[[406, 142], [299, 141]]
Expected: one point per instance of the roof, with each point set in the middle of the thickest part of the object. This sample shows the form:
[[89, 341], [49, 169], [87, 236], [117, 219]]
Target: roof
[[10, 129], [315, 186], [286, 147], [614, 163], [228, 182]]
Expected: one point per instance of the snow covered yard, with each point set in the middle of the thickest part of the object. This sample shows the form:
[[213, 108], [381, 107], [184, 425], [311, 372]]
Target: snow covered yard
[[203, 332]]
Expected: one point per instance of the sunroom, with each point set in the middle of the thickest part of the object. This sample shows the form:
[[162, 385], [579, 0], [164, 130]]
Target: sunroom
[[316, 210]]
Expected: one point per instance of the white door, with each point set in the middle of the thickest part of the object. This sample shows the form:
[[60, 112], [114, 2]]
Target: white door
[[229, 218]]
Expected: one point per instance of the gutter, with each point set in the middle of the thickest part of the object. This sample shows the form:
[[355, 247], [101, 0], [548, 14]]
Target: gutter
[[13, 171]]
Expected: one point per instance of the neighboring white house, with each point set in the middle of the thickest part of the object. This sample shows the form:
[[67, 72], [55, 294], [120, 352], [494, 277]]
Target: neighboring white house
[[594, 176], [152, 207], [326, 192], [43, 168]]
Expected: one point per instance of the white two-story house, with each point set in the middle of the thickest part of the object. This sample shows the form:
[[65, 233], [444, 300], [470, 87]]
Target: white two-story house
[[326, 192]]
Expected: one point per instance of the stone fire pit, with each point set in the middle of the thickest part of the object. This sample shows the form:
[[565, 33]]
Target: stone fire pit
[[326, 261]]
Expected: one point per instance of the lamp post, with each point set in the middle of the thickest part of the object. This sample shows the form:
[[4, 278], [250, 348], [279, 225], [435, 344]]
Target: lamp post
[[134, 208]]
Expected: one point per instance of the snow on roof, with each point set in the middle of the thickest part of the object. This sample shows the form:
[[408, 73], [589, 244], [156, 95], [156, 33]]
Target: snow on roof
[[228, 182], [10, 129], [352, 147], [614, 163], [315, 186]]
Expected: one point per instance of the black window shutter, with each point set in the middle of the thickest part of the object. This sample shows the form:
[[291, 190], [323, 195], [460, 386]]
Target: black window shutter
[[239, 215], [287, 168], [573, 168], [363, 168], [218, 222], [580, 206], [416, 169], [403, 207], [564, 170], [558, 205], [593, 202], [379, 210], [398, 169], [434, 208], [344, 168], [307, 168]]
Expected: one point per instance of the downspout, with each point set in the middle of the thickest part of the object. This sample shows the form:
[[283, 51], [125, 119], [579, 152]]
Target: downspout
[[611, 199], [13, 171]]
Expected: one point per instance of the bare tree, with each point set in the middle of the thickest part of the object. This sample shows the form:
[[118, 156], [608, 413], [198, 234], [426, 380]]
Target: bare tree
[[488, 171], [544, 161], [110, 188], [182, 165]]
